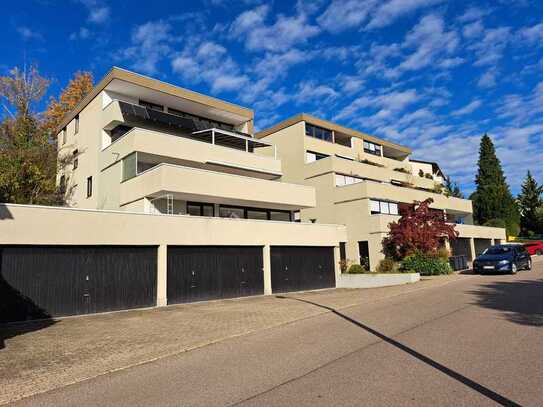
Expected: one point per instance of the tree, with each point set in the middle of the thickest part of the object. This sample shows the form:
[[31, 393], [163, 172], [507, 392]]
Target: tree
[[420, 229], [80, 85], [529, 200], [28, 153], [452, 188], [492, 198]]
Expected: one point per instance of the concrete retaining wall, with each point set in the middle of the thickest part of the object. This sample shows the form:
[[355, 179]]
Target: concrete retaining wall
[[373, 280]]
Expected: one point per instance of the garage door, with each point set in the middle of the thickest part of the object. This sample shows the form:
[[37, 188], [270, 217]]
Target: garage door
[[50, 281], [296, 268], [198, 273]]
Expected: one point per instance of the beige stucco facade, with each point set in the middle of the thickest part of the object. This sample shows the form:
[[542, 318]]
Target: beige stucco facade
[[42, 225], [349, 178]]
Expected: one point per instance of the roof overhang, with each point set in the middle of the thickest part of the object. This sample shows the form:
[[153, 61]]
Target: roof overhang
[[133, 84], [304, 117]]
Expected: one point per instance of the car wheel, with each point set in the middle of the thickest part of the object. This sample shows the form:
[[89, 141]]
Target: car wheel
[[514, 268], [538, 252]]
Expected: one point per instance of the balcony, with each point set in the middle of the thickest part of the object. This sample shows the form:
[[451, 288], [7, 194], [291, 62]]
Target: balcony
[[385, 191], [204, 152], [345, 166], [481, 232], [185, 183]]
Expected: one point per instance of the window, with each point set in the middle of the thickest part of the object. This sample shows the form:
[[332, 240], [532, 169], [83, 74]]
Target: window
[[76, 159], [342, 180], [311, 156], [64, 135], [257, 214], [383, 207], [200, 209], [89, 187], [318, 132], [231, 212], [372, 148], [76, 124], [280, 216], [151, 105], [118, 132]]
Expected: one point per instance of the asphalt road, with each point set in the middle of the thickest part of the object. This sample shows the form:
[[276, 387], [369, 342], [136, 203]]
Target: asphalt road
[[477, 341]]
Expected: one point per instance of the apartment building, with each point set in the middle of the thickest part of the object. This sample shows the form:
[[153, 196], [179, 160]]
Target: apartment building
[[171, 199], [365, 183]]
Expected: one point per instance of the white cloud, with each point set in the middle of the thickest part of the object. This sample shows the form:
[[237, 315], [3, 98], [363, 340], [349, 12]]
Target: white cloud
[[210, 63], [391, 10], [472, 14], [29, 34], [488, 79], [534, 34], [150, 44], [98, 12], [344, 14], [469, 108], [82, 34], [286, 32], [473, 30], [490, 48], [312, 92], [431, 43]]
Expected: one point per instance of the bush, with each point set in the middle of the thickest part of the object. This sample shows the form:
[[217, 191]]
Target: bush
[[356, 269], [426, 264], [387, 266], [443, 253]]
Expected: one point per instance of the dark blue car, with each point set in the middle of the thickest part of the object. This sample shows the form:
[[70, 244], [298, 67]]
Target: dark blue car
[[503, 258]]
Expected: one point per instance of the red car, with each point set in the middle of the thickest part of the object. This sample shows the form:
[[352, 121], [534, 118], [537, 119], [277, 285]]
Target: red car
[[534, 248]]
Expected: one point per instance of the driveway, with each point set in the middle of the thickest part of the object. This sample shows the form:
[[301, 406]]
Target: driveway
[[448, 340]]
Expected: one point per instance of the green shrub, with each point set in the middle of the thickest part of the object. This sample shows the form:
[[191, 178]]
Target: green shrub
[[356, 269], [387, 265], [426, 264]]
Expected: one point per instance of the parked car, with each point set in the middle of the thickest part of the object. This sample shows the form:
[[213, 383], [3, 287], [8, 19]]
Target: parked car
[[534, 248], [503, 258]]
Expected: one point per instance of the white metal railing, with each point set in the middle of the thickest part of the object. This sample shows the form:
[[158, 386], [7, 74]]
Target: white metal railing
[[247, 140]]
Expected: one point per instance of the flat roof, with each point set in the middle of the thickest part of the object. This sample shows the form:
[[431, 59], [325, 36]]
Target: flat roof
[[330, 126], [156, 85]]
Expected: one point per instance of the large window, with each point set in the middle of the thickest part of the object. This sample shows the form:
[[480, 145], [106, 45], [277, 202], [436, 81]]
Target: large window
[[383, 207], [311, 156], [372, 148], [200, 209], [318, 132], [342, 180], [253, 213]]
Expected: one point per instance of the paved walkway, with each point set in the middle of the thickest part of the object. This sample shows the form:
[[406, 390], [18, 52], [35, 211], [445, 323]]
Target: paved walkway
[[41, 357]]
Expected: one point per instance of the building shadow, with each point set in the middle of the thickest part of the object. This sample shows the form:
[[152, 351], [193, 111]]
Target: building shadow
[[485, 391], [520, 301], [18, 313]]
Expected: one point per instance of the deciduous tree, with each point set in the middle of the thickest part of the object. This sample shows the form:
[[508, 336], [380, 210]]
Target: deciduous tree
[[80, 85], [420, 229]]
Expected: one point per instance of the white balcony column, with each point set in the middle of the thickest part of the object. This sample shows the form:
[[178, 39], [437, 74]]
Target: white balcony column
[[333, 136], [162, 276], [266, 269], [472, 248], [337, 267], [275, 152], [246, 146], [213, 136]]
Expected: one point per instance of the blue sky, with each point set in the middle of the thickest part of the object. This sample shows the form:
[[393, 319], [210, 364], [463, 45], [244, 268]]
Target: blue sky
[[430, 74]]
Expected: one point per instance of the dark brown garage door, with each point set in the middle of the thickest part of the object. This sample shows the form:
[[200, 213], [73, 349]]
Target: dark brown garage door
[[298, 268], [198, 273], [49, 281]]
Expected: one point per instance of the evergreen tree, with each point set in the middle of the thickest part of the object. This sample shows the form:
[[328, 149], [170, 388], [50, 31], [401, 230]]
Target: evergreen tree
[[492, 199], [529, 200], [452, 188]]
